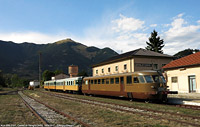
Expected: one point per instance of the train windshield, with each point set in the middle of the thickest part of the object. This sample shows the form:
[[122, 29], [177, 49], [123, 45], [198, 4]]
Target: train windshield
[[162, 79], [148, 79], [156, 78]]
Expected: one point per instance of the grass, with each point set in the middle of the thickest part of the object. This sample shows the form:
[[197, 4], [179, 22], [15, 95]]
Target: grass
[[158, 107], [98, 116], [13, 111], [5, 90]]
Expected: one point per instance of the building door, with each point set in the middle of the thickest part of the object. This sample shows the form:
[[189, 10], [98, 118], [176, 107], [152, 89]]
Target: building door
[[192, 83]]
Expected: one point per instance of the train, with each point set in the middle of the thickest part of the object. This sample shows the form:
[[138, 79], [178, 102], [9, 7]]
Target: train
[[146, 85]]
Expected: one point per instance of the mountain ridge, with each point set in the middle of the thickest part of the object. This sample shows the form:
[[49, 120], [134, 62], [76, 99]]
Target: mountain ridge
[[23, 58]]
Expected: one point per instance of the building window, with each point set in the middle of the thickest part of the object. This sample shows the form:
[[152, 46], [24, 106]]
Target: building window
[[174, 79], [96, 71], [125, 66], [102, 70], [116, 68], [155, 66], [163, 65], [109, 69]]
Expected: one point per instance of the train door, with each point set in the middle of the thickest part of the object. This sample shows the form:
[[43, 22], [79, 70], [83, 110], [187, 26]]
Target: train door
[[121, 84], [64, 86], [192, 83], [87, 83]]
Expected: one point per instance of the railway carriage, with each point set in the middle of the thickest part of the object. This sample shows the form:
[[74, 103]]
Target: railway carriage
[[67, 84], [139, 85], [49, 84]]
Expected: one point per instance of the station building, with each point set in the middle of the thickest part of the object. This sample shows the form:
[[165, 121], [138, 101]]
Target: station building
[[136, 60], [183, 75]]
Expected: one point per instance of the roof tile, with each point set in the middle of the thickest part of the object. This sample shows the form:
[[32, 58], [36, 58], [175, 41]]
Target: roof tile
[[192, 59]]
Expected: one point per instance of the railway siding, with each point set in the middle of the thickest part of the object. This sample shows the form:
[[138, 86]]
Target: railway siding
[[48, 115]]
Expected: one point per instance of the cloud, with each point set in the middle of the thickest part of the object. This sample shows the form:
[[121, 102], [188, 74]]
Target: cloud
[[181, 35], [125, 24], [153, 25], [35, 37], [122, 34]]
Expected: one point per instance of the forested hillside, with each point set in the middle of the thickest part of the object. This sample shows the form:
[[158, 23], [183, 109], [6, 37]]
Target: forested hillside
[[22, 59]]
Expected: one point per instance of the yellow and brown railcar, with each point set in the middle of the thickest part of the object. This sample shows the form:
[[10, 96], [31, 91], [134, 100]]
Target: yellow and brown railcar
[[139, 85]]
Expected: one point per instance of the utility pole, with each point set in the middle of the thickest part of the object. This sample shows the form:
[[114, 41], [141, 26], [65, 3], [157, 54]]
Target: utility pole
[[40, 54]]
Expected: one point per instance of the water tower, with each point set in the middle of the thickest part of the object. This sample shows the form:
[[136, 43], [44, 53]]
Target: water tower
[[73, 70]]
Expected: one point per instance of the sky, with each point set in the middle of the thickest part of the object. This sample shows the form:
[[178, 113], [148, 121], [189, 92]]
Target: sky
[[122, 25]]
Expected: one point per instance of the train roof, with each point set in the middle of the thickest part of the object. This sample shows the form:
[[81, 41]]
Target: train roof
[[73, 78], [130, 73]]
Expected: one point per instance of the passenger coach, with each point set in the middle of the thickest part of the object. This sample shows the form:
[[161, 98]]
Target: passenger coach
[[139, 85], [68, 84]]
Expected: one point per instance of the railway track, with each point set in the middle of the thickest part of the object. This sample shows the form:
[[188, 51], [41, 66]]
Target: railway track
[[194, 107], [182, 119], [48, 115]]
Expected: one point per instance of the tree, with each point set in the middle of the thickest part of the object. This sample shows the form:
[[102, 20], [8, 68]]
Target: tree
[[2, 81], [83, 73], [155, 43], [185, 52], [57, 72], [46, 75]]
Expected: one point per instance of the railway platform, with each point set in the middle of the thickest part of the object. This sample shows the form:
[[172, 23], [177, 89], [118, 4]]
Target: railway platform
[[185, 98]]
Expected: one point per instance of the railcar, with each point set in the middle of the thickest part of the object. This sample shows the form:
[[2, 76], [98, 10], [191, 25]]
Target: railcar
[[137, 85], [68, 84]]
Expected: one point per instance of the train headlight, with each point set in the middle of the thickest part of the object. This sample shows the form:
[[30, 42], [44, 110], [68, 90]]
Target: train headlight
[[153, 87]]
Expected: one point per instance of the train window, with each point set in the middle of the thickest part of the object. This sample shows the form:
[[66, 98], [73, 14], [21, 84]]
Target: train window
[[102, 81], [135, 79], [83, 82], [99, 81], [148, 79], [86, 82], [107, 81], [95, 81], [141, 79], [112, 81], [91, 81], [156, 78], [129, 79], [116, 80], [72, 83]]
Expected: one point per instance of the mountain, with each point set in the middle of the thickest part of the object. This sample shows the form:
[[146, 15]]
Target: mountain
[[23, 59]]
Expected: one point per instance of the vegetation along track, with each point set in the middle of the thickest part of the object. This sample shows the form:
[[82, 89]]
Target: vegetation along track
[[165, 115], [49, 115]]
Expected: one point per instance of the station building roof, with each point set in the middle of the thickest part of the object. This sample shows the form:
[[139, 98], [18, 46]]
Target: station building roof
[[135, 53], [187, 61]]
